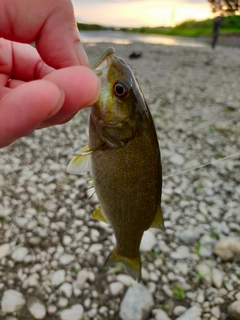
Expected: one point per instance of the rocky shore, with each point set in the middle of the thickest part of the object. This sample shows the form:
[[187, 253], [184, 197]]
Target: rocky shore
[[52, 253]]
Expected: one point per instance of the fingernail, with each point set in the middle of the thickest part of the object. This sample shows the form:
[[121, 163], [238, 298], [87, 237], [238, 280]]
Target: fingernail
[[81, 54]]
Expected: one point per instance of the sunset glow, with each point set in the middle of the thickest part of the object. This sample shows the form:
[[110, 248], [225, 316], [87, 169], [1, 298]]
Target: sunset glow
[[140, 13]]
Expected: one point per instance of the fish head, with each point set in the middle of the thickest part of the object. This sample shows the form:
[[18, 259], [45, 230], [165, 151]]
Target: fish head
[[116, 114]]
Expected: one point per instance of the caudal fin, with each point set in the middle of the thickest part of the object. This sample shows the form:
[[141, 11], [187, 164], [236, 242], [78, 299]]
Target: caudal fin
[[132, 265]]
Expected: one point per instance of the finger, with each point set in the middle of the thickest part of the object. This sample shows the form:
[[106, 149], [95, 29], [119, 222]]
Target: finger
[[81, 87], [23, 109], [21, 61], [50, 23]]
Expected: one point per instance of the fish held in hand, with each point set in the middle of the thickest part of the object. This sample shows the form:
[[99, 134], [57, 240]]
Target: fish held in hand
[[124, 158]]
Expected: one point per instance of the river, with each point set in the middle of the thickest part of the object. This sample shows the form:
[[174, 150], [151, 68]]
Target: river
[[120, 37]]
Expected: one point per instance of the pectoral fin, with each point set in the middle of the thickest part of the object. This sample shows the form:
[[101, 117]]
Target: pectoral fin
[[99, 215], [81, 162], [158, 220]]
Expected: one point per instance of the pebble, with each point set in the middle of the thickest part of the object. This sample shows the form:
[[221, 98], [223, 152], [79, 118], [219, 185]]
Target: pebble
[[228, 248], [161, 315], [19, 254], [136, 304], [189, 236], [182, 252], [67, 289], [4, 250], [179, 310], [217, 277], [126, 280], [116, 288], [194, 313], [96, 247], [204, 272], [74, 313], [12, 301], [82, 278], [66, 259], [58, 277], [234, 310], [148, 241], [36, 308], [177, 159]]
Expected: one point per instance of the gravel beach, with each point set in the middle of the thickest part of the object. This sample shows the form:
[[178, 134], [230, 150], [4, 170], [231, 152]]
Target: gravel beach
[[52, 253]]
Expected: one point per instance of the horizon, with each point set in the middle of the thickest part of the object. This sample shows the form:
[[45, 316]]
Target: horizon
[[140, 13]]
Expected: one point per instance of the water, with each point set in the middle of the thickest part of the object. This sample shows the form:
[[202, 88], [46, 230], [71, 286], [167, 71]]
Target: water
[[120, 37]]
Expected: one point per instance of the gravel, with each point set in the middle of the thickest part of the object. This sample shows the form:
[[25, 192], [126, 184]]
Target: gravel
[[52, 252]]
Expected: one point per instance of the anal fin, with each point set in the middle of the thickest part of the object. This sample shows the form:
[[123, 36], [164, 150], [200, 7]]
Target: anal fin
[[158, 220]]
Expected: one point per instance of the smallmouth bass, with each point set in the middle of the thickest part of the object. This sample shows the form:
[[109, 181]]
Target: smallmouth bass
[[124, 157]]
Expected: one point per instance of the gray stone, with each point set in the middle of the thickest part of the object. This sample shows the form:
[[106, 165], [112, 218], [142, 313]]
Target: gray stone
[[179, 310], [67, 289], [66, 259], [136, 304], [161, 315], [177, 159], [116, 288], [19, 254], [228, 248], [194, 313], [36, 308], [204, 272], [189, 236], [126, 280], [4, 250], [96, 247], [58, 277], [82, 278], [12, 301], [74, 313], [182, 252], [234, 310], [148, 241], [217, 277]]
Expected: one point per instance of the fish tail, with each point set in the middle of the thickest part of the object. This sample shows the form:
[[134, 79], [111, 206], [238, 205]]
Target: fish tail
[[132, 265]]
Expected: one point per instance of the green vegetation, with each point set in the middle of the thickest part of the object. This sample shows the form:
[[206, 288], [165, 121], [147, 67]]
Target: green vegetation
[[164, 307], [190, 28], [179, 292]]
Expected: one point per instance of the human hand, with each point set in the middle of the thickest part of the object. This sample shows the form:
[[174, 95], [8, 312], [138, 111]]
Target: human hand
[[47, 85]]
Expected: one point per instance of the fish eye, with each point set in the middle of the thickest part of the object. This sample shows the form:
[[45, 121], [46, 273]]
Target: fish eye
[[121, 90]]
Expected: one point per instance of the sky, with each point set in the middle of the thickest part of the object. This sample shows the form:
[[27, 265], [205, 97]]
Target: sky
[[138, 13]]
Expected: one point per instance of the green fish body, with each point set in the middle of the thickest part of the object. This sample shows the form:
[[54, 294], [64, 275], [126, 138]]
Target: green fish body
[[125, 161]]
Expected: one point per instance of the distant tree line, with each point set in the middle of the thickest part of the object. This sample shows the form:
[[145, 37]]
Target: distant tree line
[[225, 6]]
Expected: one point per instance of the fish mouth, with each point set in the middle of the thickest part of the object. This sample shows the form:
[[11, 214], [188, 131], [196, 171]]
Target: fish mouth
[[101, 67]]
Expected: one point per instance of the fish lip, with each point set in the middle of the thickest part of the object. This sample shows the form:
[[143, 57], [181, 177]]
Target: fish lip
[[104, 62]]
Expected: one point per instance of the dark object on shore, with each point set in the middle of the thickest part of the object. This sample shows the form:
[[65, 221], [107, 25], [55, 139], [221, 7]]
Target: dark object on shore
[[216, 26], [135, 55]]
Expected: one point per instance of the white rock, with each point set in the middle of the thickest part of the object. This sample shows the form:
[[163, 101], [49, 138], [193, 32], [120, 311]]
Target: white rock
[[161, 315], [96, 247], [179, 310], [217, 277], [228, 248], [116, 288], [148, 241], [189, 236], [204, 272], [66, 259], [234, 310], [58, 277], [31, 281], [75, 313], [82, 278], [4, 250], [67, 240], [182, 252], [51, 309], [126, 280], [136, 304], [12, 301], [62, 302], [36, 308], [177, 159], [194, 313], [67, 289], [19, 254]]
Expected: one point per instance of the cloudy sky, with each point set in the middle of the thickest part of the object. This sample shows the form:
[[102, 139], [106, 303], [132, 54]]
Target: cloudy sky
[[134, 13]]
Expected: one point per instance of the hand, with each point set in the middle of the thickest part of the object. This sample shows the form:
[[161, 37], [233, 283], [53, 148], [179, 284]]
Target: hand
[[47, 85]]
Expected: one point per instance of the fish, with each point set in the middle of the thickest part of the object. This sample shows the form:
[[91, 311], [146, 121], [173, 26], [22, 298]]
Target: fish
[[124, 158]]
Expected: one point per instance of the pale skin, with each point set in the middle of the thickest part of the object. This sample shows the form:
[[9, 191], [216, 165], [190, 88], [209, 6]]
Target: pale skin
[[44, 86]]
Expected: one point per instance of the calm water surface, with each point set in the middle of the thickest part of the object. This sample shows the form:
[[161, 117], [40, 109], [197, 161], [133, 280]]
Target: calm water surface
[[120, 37]]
